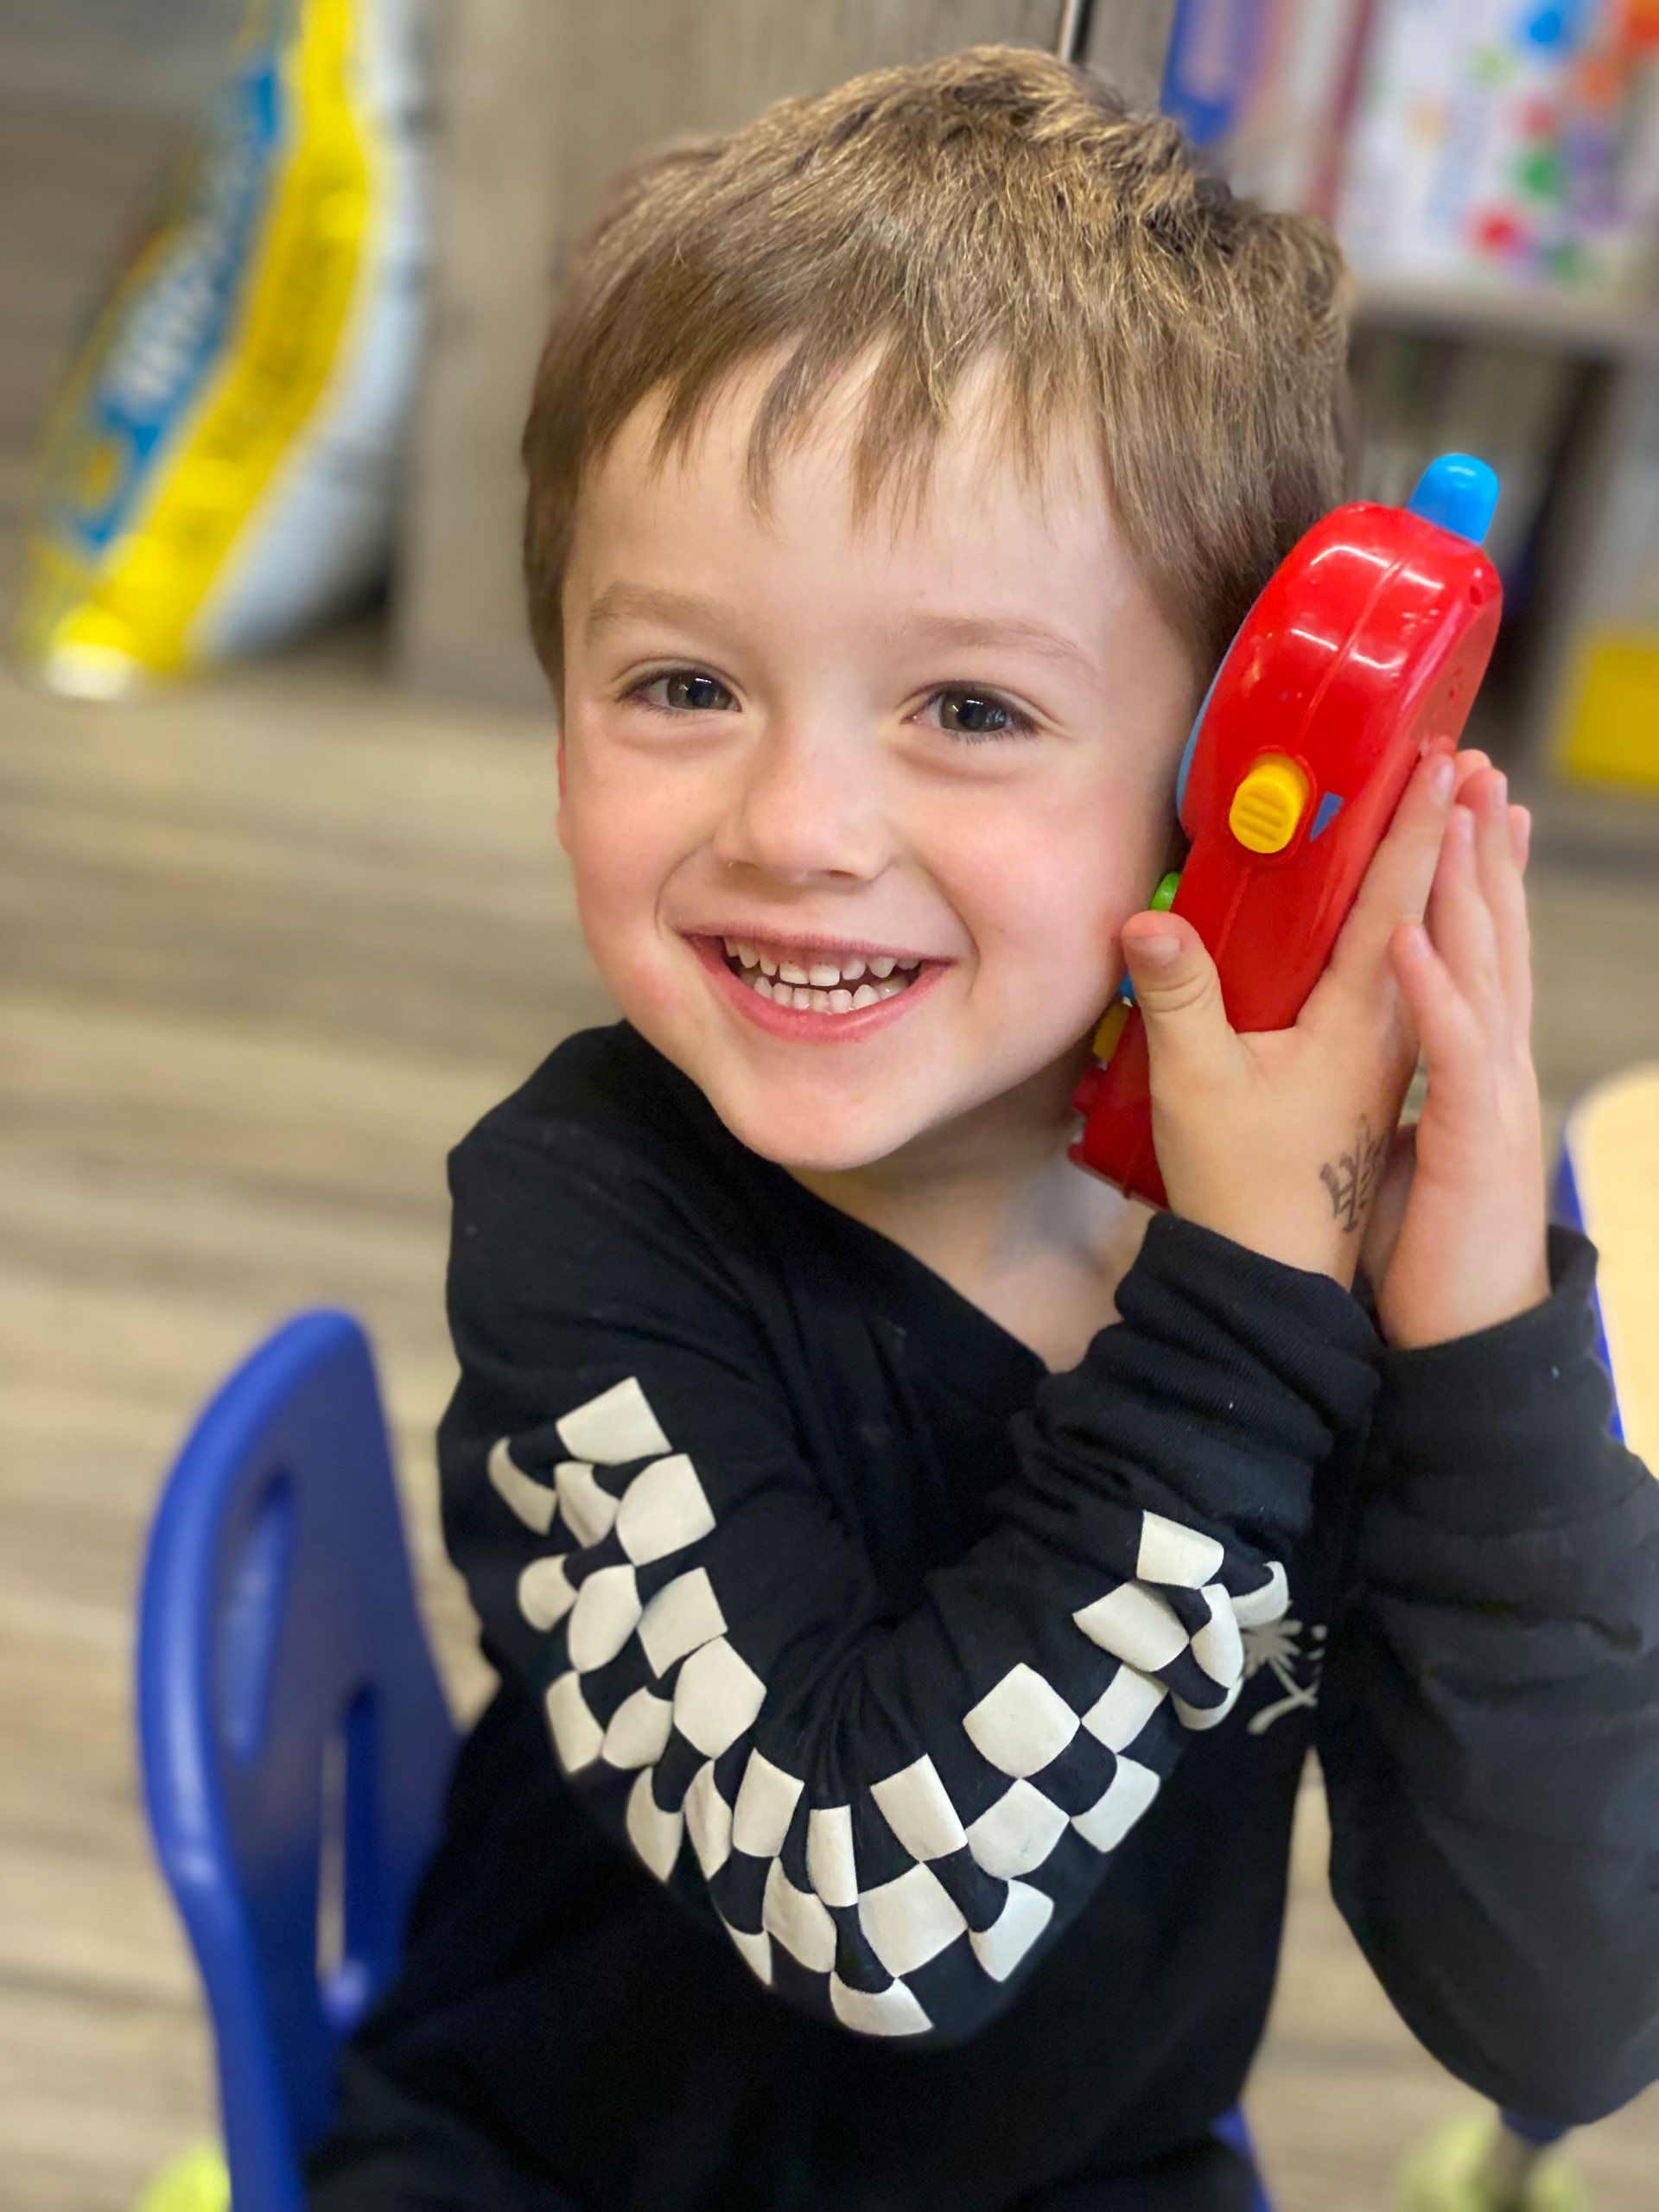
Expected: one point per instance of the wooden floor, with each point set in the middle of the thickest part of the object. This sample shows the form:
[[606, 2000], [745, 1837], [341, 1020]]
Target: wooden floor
[[268, 948]]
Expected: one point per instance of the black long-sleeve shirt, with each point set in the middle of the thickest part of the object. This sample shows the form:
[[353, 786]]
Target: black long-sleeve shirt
[[887, 1799]]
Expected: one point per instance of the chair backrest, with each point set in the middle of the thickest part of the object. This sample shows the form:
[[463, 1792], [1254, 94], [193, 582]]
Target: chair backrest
[[296, 1740], [1566, 1203]]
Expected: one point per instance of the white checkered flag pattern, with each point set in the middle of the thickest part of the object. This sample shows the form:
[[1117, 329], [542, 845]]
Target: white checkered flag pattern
[[887, 1862]]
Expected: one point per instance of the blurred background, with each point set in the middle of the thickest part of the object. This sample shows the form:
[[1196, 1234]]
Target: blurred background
[[283, 907]]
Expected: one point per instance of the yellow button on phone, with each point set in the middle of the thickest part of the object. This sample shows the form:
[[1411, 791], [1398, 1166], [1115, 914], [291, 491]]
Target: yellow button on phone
[[1268, 804]]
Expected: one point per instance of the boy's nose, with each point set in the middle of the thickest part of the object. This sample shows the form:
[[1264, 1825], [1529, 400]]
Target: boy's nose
[[802, 809]]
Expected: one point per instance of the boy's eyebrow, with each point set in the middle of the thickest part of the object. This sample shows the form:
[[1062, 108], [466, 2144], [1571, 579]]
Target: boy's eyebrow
[[620, 602], [990, 631], [647, 603]]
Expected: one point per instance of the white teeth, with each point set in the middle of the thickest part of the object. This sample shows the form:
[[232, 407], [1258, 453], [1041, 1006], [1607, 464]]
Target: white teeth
[[806, 1001], [818, 974], [823, 988]]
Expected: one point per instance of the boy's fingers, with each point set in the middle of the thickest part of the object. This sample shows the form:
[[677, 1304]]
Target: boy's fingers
[[1506, 898], [1179, 993], [1461, 927], [1466, 764], [1460, 1063], [1398, 883]]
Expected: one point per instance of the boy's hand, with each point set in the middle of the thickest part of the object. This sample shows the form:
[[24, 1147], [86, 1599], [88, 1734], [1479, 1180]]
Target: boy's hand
[[1277, 1139], [1458, 1240]]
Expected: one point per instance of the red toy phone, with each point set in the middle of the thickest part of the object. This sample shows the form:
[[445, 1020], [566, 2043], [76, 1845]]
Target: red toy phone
[[1363, 654]]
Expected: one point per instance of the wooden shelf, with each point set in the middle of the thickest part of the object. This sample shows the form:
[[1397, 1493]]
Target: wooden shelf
[[1561, 321]]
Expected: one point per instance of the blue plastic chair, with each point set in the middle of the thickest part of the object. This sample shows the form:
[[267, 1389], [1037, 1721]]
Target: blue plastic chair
[[295, 1737], [1566, 1205], [1231, 2129]]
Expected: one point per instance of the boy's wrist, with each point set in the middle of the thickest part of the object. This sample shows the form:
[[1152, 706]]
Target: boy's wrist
[[1468, 1260], [1466, 1303], [1313, 1238]]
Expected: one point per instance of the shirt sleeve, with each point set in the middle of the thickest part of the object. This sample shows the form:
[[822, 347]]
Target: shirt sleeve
[[1489, 1720], [892, 1812]]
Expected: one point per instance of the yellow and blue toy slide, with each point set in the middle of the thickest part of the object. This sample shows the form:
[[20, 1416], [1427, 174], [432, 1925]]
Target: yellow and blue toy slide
[[224, 466]]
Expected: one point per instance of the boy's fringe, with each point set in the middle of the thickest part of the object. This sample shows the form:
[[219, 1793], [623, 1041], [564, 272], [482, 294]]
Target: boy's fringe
[[997, 201]]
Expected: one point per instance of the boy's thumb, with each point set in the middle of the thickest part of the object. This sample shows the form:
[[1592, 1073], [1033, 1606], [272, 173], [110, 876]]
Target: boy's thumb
[[1179, 993]]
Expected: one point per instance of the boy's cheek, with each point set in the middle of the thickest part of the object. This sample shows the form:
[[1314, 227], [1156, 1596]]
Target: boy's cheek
[[622, 833], [620, 873], [631, 974], [1066, 898]]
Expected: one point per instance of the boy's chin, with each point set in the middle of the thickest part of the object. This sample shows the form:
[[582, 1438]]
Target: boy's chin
[[811, 1138]]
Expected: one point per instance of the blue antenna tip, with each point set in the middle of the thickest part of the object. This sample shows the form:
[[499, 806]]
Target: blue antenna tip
[[1459, 492]]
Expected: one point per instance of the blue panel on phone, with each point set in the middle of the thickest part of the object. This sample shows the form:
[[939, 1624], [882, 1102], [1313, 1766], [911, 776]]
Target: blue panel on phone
[[1329, 807]]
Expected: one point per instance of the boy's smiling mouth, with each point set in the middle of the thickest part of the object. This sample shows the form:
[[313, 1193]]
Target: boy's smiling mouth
[[816, 982], [810, 989]]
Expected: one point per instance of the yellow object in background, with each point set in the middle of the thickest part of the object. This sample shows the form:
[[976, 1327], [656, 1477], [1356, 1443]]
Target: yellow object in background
[[197, 2181], [223, 465], [1611, 1140], [1613, 720]]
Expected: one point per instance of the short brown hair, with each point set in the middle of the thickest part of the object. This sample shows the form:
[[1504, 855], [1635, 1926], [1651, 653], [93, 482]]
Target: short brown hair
[[997, 199]]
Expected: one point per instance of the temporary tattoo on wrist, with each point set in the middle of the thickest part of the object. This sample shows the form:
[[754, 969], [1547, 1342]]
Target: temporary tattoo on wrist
[[1350, 1178]]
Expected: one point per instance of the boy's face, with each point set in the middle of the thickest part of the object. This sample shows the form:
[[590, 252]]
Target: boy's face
[[957, 739]]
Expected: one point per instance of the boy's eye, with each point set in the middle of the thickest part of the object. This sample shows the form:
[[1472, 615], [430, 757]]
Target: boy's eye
[[974, 716], [685, 690]]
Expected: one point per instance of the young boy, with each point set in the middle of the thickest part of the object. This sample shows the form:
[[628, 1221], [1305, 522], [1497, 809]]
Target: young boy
[[916, 1577]]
